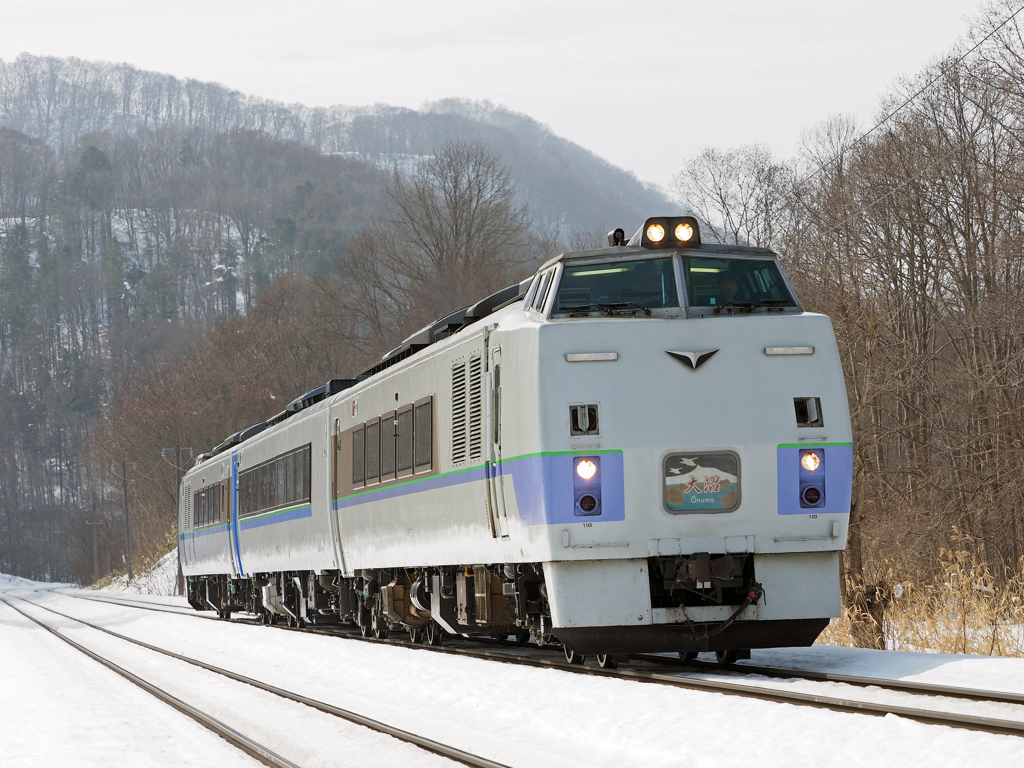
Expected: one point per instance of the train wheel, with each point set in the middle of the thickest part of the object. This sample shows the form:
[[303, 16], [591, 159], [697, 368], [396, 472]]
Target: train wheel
[[606, 661], [434, 633], [380, 629], [415, 635], [687, 655], [725, 658], [572, 657], [365, 630], [522, 638]]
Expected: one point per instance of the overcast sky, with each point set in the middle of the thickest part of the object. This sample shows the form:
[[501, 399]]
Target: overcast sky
[[644, 84]]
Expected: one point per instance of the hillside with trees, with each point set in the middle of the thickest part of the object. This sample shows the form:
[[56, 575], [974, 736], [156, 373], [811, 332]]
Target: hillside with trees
[[147, 222]]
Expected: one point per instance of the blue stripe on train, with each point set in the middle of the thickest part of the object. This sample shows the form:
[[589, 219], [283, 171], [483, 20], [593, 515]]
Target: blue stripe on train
[[543, 486], [277, 517], [415, 486], [280, 517]]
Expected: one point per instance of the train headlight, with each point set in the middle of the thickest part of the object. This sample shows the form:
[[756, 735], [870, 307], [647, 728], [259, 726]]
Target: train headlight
[[655, 233], [668, 232], [586, 469], [684, 232], [810, 461]]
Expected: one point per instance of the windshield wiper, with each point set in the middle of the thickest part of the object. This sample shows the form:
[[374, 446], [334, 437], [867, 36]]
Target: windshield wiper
[[577, 309], [619, 306], [750, 306], [747, 306], [771, 304]]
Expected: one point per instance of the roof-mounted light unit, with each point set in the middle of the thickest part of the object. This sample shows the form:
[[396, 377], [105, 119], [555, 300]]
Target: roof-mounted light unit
[[668, 232]]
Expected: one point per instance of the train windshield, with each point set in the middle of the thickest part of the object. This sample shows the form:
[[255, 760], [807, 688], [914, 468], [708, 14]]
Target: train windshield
[[618, 286], [735, 284]]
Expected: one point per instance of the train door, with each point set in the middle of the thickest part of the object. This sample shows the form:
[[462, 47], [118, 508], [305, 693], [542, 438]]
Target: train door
[[226, 512], [496, 478], [337, 446]]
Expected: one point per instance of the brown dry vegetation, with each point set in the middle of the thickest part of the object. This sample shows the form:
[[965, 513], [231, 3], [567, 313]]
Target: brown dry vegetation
[[963, 608]]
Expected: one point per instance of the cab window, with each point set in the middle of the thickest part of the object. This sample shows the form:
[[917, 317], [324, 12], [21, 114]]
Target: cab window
[[739, 283], [643, 284]]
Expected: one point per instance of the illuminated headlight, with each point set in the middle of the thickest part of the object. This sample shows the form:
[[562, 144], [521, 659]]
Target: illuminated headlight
[[810, 461], [655, 233], [586, 469], [683, 232]]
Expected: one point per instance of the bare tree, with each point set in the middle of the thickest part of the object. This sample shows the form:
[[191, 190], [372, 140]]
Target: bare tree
[[740, 194], [456, 231]]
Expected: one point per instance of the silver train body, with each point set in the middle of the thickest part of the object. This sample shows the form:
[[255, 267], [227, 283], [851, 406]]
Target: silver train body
[[666, 471]]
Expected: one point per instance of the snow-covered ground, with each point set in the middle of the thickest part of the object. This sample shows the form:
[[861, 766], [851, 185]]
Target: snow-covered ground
[[161, 579], [68, 711]]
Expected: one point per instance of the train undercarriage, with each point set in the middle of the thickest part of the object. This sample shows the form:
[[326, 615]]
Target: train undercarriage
[[507, 600], [486, 600]]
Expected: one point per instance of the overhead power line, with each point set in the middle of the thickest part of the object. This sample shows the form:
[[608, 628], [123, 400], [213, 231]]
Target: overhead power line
[[913, 96]]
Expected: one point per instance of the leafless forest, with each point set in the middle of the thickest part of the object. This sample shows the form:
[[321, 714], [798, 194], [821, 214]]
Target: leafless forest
[[911, 240], [178, 261]]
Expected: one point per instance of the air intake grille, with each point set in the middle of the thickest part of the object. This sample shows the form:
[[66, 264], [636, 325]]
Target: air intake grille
[[459, 413], [476, 408], [186, 501]]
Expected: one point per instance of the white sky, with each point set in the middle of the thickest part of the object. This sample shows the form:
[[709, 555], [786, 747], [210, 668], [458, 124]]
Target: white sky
[[644, 84]]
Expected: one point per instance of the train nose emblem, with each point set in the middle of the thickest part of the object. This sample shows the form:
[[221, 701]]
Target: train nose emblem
[[693, 359]]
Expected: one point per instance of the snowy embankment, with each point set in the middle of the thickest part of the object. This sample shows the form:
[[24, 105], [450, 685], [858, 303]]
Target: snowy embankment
[[161, 579], [520, 716]]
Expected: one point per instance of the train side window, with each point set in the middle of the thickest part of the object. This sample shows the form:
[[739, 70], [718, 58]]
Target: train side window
[[358, 468], [387, 446], [531, 291], [282, 488], [424, 435], [542, 296], [405, 440], [542, 292], [307, 485], [373, 450]]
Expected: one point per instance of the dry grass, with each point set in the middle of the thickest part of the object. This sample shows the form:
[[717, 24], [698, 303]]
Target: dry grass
[[963, 610]]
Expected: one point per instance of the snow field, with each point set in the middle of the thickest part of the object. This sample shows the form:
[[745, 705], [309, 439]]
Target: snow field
[[305, 736], [59, 708], [538, 717]]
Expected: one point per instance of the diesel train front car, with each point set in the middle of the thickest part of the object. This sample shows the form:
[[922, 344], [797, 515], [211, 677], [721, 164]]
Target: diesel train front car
[[645, 447]]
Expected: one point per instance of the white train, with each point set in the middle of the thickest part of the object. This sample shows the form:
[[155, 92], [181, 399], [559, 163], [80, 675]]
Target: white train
[[645, 447]]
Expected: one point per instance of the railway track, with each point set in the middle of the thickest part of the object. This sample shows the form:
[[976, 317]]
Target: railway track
[[644, 668], [233, 736]]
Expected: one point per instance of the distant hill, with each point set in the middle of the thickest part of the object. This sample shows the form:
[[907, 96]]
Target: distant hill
[[573, 194]]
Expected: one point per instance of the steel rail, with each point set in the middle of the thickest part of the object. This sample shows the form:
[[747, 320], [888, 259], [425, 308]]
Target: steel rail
[[924, 689], [244, 743], [932, 717], [445, 750]]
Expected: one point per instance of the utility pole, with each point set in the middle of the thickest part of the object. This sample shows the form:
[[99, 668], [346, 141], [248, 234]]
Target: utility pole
[[95, 551], [177, 500], [123, 477]]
